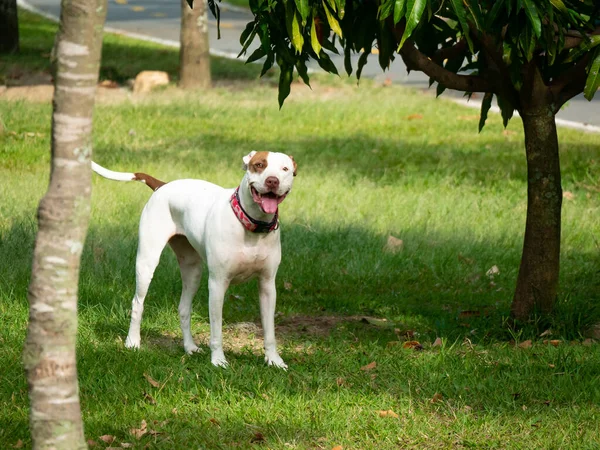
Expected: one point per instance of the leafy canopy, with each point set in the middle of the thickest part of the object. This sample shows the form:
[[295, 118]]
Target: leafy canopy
[[491, 46]]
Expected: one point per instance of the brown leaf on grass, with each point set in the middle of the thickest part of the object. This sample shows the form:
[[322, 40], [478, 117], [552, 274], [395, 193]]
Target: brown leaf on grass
[[526, 344], [555, 342], [415, 345], [568, 195], [287, 285], [405, 334], [552, 366], [437, 343], [437, 397], [588, 342], [369, 366], [414, 116], [151, 380], [337, 447], [258, 437], [126, 445], [468, 314], [19, 444], [91, 443], [149, 398], [109, 439], [340, 381], [109, 84], [139, 432], [548, 332], [388, 413], [393, 244], [214, 421]]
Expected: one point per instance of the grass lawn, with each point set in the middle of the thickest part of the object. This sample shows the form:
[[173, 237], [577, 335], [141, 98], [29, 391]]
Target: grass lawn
[[373, 161]]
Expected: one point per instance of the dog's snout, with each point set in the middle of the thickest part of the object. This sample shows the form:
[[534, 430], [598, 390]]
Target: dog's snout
[[272, 183]]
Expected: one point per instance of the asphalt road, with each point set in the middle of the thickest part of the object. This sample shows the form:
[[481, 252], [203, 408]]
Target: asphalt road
[[160, 19]]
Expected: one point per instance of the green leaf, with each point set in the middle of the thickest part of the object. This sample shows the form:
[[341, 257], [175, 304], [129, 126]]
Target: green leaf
[[399, 7], [285, 80], [314, 38], [256, 55], [414, 12], [461, 15], [333, 23], [326, 64], [559, 4], [268, 63], [475, 11], [361, 63], [385, 9], [506, 108], [294, 28], [303, 71], [303, 9], [593, 79], [348, 60], [341, 5], [486, 104], [583, 48], [491, 16], [533, 16]]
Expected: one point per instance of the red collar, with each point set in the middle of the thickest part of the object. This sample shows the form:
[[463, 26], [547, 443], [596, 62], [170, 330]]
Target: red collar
[[250, 224]]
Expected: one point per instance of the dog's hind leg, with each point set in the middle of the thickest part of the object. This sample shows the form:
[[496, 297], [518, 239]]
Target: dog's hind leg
[[156, 228], [190, 266]]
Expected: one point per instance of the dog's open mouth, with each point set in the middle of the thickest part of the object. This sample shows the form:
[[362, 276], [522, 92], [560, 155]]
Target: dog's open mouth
[[268, 201]]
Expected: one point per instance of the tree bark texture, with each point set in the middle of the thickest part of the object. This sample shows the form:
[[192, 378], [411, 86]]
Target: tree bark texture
[[9, 27], [194, 56], [537, 282], [63, 216]]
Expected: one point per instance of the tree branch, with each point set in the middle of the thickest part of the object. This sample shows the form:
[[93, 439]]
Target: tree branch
[[575, 38], [451, 52], [571, 82]]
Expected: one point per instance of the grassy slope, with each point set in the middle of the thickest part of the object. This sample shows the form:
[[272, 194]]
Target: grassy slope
[[373, 161]]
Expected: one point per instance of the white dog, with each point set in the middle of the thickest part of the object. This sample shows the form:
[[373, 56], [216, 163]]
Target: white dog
[[234, 231]]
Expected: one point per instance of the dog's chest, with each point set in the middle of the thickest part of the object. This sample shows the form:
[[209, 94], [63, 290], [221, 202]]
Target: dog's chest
[[248, 262]]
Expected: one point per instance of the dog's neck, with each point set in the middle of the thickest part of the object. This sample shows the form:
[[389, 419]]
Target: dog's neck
[[249, 205]]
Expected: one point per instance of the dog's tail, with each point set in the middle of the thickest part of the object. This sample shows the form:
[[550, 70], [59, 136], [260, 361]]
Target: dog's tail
[[150, 181]]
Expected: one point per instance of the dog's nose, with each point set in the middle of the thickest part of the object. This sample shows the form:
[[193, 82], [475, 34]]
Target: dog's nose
[[272, 183]]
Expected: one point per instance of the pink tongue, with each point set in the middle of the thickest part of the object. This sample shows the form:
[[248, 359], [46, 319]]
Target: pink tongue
[[269, 205]]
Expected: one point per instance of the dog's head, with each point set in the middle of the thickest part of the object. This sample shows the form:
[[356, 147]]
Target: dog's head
[[270, 176]]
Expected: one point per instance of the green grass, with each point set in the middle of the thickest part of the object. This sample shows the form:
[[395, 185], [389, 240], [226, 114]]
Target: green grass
[[373, 161]]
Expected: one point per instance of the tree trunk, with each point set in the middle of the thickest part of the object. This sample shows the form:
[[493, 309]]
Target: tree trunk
[[9, 27], [537, 282], [194, 57], [63, 215]]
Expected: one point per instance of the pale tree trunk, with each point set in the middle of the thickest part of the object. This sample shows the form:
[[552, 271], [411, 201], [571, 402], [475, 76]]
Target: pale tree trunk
[[63, 215], [194, 56], [9, 27], [537, 283]]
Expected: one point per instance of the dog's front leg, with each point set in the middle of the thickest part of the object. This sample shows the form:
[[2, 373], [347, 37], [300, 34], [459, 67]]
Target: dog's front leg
[[216, 295], [268, 297]]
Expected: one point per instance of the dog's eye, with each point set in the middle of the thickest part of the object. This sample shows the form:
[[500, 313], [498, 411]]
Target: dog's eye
[[285, 169], [259, 165]]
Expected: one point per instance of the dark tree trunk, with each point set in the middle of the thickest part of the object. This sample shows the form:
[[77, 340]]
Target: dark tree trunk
[[537, 282], [63, 214], [194, 56], [9, 27]]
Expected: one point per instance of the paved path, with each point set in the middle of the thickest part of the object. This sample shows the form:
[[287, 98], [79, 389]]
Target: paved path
[[160, 19]]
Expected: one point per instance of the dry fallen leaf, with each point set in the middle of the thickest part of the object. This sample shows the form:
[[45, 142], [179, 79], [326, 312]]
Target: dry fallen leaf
[[415, 345], [149, 398], [139, 432], [337, 447], [126, 445], [552, 366], [287, 285], [91, 443], [258, 437], [109, 439], [548, 332], [393, 244], [568, 195], [437, 398], [19, 444], [151, 380], [437, 342], [369, 366], [555, 342], [214, 421], [526, 344], [414, 116], [340, 381], [388, 413], [493, 271]]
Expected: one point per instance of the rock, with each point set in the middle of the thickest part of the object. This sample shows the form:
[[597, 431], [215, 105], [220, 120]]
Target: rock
[[593, 331], [149, 79]]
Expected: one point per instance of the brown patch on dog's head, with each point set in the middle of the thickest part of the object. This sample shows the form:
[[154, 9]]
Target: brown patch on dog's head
[[258, 163], [150, 181], [295, 165]]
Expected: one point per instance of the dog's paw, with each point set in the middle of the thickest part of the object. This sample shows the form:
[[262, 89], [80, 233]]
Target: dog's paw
[[218, 360], [132, 343], [275, 361], [192, 348]]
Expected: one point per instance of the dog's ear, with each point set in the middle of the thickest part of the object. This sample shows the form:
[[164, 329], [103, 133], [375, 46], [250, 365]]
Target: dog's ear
[[247, 159], [295, 165]]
